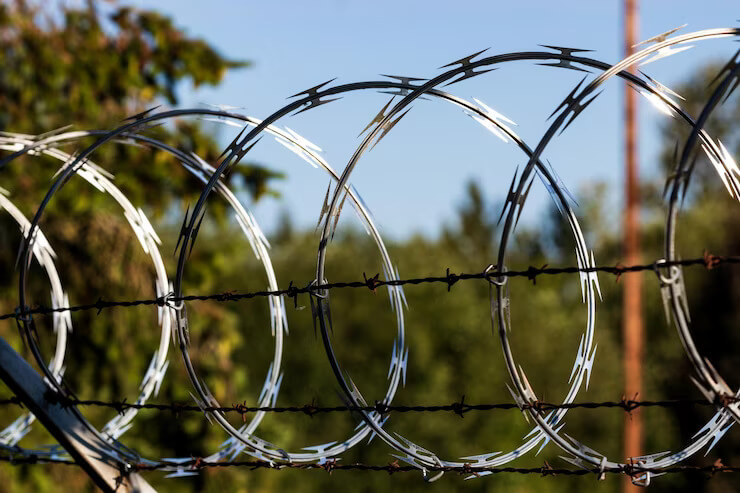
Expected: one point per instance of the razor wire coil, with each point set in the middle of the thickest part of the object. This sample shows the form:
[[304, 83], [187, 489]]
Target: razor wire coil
[[548, 417]]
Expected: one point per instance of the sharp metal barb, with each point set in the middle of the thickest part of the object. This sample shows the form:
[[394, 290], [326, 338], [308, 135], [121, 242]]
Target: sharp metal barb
[[378, 118], [660, 37], [465, 61], [570, 98], [468, 74], [141, 115], [406, 81], [312, 91], [388, 127], [563, 62], [315, 103]]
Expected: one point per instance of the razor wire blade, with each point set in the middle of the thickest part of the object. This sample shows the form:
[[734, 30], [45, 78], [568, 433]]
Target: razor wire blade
[[173, 320]]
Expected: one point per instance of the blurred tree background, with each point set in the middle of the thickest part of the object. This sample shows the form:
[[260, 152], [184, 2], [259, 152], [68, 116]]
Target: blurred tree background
[[95, 67]]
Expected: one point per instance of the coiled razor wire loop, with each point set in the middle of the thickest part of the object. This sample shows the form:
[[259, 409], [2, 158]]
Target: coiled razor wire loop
[[61, 322], [156, 370], [242, 442], [581, 454], [155, 374], [313, 98], [673, 290], [149, 241], [412, 453], [247, 223]]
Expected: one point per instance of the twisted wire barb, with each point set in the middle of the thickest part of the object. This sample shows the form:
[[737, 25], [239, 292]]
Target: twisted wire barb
[[708, 261]]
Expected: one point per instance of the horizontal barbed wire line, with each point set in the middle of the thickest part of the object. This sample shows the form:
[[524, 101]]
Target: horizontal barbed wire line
[[333, 465], [708, 261], [459, 407]]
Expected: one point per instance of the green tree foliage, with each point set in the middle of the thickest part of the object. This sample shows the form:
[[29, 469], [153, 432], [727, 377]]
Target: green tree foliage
[[473, 234], [707, 222], [92, 67], [97, 69], [79, 66]]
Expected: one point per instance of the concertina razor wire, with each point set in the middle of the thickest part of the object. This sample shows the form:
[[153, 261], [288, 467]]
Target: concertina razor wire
[[548, 419]]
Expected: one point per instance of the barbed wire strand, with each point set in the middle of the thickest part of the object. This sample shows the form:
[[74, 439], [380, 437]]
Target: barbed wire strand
[[708, 261], [459, 407], [330, 466]]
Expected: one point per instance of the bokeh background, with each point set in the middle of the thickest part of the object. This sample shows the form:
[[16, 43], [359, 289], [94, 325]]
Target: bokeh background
[[436, 186]]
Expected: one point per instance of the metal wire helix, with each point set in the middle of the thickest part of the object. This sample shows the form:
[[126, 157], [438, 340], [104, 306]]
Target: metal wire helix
[[548, 424]]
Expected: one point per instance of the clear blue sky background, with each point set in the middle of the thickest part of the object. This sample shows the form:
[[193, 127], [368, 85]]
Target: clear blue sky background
[[415, 178]]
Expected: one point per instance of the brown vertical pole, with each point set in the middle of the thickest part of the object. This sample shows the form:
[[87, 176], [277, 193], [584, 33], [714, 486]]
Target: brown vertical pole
[[632, 327]]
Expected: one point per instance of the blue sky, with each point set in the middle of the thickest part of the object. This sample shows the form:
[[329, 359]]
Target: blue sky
[[415, 178]]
